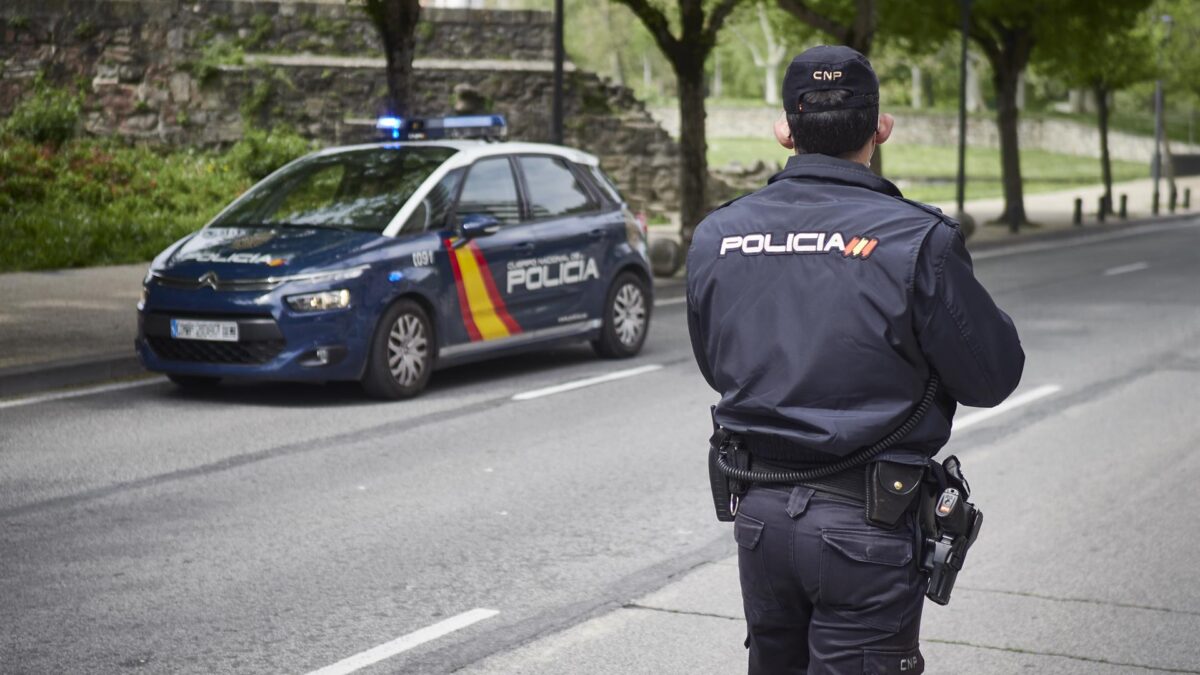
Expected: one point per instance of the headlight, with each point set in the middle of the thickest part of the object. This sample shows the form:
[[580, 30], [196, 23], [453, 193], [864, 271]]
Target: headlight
[[319, 302], [329, 277]]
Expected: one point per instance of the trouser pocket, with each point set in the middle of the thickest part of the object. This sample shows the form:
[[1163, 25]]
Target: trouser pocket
[[868, 577], [752, 568]]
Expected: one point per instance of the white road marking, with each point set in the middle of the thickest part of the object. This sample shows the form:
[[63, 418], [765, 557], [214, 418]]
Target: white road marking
[[404, 643], [586, 382], [1015, 402], [665, 302], [1081, 241], [1126, 269], [75, 393]]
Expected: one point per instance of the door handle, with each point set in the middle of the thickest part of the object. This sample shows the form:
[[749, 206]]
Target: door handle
[[597, 233], [524, 247]]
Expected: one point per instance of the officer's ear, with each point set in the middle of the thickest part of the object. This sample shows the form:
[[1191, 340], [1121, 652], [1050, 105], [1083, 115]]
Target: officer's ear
[[883, 130], [783, 133]]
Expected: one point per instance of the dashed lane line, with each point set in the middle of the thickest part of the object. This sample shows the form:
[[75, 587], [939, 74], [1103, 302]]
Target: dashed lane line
[[586, 382], [406, 642], [1017, 401], [1126, 269], [666, 302]]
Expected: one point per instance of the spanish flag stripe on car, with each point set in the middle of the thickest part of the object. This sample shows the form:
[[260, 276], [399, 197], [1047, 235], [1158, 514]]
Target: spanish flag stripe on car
[[484, 313], [468, 321], [493, 293]]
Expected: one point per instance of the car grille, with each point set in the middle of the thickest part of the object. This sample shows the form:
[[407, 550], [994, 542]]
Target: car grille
[[194, 284], [201, 351]]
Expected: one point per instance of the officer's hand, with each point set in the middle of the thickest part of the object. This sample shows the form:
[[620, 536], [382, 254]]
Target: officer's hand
[[783, 133]]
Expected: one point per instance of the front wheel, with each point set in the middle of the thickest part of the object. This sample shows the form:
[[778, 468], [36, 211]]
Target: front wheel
[[401, 357], [626, 318]]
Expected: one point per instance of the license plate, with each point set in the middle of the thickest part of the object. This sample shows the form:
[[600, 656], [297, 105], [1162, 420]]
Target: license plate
[[215, 331]]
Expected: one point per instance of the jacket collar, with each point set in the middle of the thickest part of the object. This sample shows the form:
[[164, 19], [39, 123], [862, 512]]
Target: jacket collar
[[824, 167]]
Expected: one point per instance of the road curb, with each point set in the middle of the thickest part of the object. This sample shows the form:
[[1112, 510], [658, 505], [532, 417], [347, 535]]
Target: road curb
[[40, 377], [1076, 231]]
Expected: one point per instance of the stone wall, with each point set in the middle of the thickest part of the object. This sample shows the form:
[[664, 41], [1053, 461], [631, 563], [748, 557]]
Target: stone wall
[[1052, 135], [197, 73]]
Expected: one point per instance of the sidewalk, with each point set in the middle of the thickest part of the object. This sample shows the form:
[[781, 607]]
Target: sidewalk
[[64, 328]]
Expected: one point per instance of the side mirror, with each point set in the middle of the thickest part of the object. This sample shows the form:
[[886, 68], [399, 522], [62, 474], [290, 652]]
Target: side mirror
[[478, 225]]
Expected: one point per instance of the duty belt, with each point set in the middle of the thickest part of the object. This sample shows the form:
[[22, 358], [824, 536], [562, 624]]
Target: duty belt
[[851, 484]]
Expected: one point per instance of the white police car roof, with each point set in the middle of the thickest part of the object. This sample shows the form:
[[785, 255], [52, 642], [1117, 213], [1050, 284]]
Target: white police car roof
[[471, 150]]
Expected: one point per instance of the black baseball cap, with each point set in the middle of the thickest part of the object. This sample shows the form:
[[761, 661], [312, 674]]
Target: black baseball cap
[[826, 68]]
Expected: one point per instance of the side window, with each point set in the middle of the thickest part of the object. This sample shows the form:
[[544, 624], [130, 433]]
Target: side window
[[431, 213], [490, 189], [553, 188]]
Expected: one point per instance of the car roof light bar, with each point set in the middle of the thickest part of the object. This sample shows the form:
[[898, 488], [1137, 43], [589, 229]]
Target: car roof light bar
[[488, 127]]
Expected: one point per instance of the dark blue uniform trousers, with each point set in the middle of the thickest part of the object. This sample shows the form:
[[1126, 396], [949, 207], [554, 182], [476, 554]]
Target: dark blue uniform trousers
[[824, 591]]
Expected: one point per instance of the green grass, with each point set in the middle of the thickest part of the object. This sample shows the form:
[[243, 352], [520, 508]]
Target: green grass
[[101, 202], [927, 173]]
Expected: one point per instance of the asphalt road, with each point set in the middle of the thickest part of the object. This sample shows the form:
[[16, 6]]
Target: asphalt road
[[283, 528]]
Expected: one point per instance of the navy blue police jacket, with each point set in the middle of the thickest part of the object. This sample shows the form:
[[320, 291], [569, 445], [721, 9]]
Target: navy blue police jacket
[[818, 305]]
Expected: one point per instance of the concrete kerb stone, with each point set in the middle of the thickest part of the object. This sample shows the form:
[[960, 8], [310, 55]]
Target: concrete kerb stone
[[42, 377]]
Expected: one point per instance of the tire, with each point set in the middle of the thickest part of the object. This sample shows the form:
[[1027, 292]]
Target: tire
[[626, 318], [193, 381], [401, 358]]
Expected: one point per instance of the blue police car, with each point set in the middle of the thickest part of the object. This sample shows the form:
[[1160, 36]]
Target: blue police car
[[383, 262]]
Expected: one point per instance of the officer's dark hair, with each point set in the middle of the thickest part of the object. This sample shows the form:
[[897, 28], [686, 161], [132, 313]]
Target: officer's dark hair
[[832, 132]]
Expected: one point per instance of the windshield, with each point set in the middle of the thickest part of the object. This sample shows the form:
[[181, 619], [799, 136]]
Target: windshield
[[358, 190]]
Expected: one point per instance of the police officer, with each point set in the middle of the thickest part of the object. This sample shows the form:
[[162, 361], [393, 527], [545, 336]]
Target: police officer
[[819, 307]]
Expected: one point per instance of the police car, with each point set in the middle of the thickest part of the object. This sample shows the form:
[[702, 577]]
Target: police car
[[383, 262]]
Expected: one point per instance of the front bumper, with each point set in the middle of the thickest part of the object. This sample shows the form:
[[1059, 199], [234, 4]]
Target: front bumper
[[276, 344]]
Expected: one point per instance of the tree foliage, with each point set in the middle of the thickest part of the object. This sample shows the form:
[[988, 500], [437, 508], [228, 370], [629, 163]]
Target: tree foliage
[[686, 33]]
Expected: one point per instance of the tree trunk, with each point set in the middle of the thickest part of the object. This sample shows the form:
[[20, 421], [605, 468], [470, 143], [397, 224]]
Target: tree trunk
[[1105, 162], [693, 149], [718, 85], [396, 21], [1007, 116], [771, 83], [917, 89]]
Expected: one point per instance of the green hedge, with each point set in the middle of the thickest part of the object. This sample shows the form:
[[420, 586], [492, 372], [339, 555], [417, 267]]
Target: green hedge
[[100, 202]]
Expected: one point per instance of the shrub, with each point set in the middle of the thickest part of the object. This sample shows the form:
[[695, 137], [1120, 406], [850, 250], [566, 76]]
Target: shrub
[[48, 115], [260, 151]]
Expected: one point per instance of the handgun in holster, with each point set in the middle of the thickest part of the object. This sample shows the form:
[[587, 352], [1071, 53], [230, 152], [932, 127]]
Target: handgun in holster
[[726, 491], [951, 525]]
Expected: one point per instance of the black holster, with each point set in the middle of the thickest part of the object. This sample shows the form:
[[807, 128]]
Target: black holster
[[725, 490]]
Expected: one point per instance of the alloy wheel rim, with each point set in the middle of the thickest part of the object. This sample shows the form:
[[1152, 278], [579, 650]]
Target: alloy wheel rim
[[629, 314], [408, 350]]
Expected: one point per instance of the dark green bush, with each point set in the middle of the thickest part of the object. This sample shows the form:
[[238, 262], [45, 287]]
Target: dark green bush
[[47, 115], [260, 151]]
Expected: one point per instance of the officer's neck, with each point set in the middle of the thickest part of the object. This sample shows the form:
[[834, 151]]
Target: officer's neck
[[864, 154]]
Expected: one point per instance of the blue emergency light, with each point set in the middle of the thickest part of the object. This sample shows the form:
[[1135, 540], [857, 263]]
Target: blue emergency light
[[492, 127]]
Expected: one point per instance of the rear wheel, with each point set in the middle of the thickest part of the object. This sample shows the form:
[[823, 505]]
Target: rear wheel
[[401, 358], [626, 318], [193, 381]]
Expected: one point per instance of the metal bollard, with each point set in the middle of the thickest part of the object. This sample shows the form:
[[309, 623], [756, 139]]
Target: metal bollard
[[1101, 208], [1077, 219], [1171, 201], [1124, 206], [1187, 199], [1154, 204]]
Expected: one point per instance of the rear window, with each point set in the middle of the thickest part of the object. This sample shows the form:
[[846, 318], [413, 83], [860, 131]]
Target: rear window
[[606, 185], [554, 190]]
